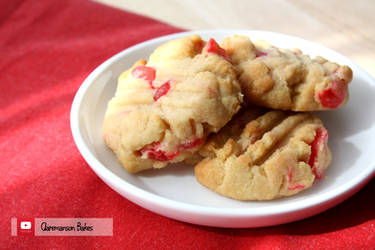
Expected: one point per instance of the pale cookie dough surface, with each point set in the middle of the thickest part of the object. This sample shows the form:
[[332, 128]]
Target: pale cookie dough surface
[[277, 154], [164, 109], [287, 79]]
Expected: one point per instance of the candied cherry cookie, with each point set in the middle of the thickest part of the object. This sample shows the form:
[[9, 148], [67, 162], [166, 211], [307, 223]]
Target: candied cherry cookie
[[164, 109], [287, 79], [277, 154]]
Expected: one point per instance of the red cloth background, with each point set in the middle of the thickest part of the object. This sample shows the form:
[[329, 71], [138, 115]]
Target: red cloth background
[[47, 48]]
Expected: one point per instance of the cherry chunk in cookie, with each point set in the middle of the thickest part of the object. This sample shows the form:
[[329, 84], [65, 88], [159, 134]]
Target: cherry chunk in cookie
[[164, 108], [336, 91]]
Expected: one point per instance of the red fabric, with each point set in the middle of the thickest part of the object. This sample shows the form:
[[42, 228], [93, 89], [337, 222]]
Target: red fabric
[[47, 48]]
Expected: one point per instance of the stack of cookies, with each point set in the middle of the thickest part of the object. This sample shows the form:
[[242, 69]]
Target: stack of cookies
[[238, 112]]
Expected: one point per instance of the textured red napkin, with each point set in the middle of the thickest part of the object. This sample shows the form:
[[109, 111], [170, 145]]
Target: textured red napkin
[[47, 48]]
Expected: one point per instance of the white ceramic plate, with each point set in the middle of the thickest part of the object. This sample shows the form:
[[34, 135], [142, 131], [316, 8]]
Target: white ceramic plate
[[174, 192]]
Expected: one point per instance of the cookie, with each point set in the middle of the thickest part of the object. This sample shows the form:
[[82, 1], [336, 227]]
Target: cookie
[[287, 79], [277, 154], [164, 109]]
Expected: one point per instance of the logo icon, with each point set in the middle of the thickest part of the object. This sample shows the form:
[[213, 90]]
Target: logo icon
[[25, 226]]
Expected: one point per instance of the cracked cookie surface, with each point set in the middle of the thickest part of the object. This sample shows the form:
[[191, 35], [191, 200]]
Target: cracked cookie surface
[[164, 109], [287, 79], [263, 155]]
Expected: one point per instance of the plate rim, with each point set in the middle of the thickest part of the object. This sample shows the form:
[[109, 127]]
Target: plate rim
[[138, 195]]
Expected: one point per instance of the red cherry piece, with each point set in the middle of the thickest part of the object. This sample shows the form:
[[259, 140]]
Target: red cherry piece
[[213, 47], [160, 155], [191, 144], [162, 90], [334, 95], [144, 72], [298, 186], [320, 137], [260, 53], [153, 152]]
